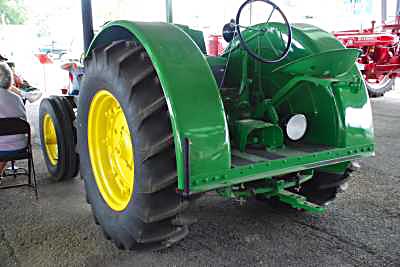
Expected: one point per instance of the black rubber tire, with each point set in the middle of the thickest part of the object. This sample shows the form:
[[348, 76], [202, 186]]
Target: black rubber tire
[[125, 70], [323, 187], [380, 90], [67, 109], [67, 163]]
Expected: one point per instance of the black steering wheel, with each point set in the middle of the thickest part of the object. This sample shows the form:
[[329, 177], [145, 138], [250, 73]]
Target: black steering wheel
[[263, 30]]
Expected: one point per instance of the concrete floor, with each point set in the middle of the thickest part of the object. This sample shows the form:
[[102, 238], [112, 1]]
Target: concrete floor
[[361, 228]]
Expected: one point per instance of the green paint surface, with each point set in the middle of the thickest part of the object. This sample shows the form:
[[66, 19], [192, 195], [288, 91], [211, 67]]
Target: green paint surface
[[318, 79]]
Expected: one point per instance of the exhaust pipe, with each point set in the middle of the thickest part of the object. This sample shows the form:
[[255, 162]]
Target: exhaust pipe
[[168, 7], [87, 22]]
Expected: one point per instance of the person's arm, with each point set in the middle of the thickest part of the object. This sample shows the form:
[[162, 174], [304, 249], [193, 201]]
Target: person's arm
[[18, 81], [15, 90]]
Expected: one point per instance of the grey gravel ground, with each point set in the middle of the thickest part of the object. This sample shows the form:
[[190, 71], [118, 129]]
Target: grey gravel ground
[[362, 228]]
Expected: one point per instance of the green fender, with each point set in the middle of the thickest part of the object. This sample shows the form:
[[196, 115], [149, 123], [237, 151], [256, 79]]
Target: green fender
[[194, 103]]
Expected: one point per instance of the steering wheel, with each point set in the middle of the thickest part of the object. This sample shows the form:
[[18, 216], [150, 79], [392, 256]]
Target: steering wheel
[[263, 30]]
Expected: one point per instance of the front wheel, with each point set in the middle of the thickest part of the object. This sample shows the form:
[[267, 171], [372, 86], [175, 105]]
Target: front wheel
[[323, 187], [127, 149]]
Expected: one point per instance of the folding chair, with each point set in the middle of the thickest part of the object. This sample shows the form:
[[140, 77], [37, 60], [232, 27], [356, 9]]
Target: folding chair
[[14, 126]]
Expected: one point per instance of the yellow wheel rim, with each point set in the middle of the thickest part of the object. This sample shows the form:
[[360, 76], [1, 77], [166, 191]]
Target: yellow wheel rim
[[111, 151], [50, 139]]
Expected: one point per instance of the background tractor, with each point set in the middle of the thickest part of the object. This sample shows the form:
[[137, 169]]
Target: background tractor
[[281, 114], [380, 59]]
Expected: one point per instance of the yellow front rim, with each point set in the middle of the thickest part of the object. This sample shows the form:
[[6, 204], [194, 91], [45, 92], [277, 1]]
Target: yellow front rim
[[111, 151], [50, 139]]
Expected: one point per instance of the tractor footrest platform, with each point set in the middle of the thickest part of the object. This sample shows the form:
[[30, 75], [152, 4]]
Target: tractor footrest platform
[[253, 155]]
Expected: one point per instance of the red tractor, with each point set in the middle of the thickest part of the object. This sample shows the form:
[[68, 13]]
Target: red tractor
[[380, 58]]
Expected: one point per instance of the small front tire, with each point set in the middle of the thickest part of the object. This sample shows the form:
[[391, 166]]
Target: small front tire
[[58, 138]]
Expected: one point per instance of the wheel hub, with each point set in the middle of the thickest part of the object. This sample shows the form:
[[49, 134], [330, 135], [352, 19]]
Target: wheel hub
[[50, 139], [111, 150]]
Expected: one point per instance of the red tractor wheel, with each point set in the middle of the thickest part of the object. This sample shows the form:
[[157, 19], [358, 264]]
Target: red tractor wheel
[[378, 87]]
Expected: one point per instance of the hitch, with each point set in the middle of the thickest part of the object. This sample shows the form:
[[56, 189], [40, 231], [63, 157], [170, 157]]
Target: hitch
[[298, 202]]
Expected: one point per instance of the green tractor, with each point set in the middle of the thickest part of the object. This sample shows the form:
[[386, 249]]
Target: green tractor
[[280, 115]]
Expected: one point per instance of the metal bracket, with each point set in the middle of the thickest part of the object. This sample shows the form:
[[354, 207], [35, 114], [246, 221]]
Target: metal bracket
[[186, 159], [298, 202]]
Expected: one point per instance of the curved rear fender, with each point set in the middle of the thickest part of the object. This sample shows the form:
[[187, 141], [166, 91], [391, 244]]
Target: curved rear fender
[[192, 95]]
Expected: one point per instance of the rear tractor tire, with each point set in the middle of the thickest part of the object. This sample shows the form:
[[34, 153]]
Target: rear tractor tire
[[127, 149], [58, 137]]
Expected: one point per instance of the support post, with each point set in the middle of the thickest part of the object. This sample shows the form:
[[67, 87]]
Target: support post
[[168, 6], [186, 148], [398, 12], [87, 22], [384, 11]]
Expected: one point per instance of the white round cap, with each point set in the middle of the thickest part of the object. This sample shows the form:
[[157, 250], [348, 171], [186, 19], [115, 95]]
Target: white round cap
[[296, 127]]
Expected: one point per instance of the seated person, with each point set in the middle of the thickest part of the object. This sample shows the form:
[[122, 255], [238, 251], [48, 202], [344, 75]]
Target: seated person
[[20, 86], [11, 106]]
